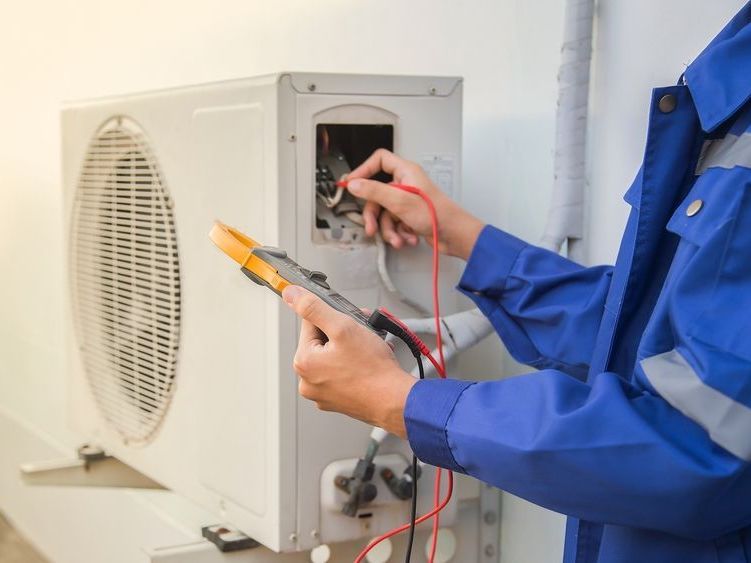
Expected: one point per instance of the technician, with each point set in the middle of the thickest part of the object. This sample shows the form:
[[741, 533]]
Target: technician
[[638, 423]]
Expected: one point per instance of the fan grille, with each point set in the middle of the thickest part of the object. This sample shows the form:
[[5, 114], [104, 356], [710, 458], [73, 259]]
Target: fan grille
[[126, 280]]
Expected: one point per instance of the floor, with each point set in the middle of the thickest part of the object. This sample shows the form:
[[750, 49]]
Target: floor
[[15, 549]]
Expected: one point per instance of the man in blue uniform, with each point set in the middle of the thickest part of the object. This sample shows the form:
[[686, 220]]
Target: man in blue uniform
[[637, 423]]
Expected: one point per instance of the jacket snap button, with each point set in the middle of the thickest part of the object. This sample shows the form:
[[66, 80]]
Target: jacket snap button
[[694, 207], [667, 103]]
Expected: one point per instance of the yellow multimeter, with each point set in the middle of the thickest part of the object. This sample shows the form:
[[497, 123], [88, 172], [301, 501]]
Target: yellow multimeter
[[271, 267]]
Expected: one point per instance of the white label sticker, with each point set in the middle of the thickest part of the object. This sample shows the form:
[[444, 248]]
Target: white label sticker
[[441, 169]]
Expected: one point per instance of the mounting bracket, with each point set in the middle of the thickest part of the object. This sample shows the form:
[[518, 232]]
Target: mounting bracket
[[92, 468]]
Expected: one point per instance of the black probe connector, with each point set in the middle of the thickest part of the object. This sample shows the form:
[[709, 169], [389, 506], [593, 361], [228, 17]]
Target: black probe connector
[[382, 321]]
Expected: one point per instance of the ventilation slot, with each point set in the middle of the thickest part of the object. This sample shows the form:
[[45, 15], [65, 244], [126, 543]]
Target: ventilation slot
[[126, 280]]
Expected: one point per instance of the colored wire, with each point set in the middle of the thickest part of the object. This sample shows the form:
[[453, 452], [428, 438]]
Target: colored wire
[[439, 345], [436, 259], [441, 372], [406, 526], [440, 366]]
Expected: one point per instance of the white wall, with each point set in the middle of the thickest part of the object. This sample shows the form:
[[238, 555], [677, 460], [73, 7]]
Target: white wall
[[506, 50], [52, 51]]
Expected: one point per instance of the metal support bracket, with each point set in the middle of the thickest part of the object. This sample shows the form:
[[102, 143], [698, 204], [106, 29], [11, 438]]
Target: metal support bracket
[[490, 529], [92, 468]]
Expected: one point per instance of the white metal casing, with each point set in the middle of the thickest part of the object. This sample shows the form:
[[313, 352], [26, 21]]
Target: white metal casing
[[236, 437]]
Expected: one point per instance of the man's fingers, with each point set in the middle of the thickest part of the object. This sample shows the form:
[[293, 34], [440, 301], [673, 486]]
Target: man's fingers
[[311, 335], [380, 160], [370, 216], [388, 231], [312, 309], [406, 233], [388, 196]]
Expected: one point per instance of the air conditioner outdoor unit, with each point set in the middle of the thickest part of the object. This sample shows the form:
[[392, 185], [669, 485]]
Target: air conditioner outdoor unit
[[179, 366]]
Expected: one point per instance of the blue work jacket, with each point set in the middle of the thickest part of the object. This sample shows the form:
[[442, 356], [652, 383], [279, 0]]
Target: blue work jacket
[[638, 423]]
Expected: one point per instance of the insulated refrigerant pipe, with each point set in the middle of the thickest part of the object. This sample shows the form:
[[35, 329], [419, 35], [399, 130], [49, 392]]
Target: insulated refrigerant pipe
[[565, 221], [460, 331]]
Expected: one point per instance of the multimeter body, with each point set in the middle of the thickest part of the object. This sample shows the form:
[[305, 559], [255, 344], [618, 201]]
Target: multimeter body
[[312, 280], [273, 268]]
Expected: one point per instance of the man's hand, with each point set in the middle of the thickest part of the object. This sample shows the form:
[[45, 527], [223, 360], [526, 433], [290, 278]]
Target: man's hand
[[346, 368], [401, 216]]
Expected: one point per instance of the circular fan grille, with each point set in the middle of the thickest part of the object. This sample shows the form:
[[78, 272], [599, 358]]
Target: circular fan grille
[[126, 280]]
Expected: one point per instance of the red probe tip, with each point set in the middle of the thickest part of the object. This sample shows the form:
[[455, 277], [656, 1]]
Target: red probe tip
[[341, 184]]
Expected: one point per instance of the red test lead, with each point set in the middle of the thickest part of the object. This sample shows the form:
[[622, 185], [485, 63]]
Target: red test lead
[[440, 366]]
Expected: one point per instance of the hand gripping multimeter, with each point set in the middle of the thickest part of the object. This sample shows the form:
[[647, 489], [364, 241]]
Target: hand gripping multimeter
[[271, 267]]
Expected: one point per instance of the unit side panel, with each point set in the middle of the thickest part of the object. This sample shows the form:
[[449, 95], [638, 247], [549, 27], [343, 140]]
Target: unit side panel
[[286, 216], [426, 128]]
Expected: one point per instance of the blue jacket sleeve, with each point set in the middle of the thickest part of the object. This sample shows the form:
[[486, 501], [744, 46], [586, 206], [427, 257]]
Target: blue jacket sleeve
[[604, 453], [665, 448], [545, 308]]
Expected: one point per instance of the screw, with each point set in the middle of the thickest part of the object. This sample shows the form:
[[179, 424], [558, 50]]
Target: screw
[[293, 537], [314, 534], [292, 138], [432, 91], [489, 517], [88, 451], [311, 87], [489, 551], [341, 482]]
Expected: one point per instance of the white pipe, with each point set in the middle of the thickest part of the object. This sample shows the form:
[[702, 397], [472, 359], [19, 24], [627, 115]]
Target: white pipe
[[566, 215], [460, 332], [467, 328]]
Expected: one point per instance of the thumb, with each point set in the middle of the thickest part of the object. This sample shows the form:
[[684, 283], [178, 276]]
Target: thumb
[[314, 310], [387, 196]]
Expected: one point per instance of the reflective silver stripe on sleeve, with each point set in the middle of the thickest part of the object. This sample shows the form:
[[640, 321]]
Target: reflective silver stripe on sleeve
[[728, 422], [728, 152]]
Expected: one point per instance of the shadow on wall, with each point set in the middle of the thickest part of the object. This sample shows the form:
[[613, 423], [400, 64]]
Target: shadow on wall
[[15, 549]]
